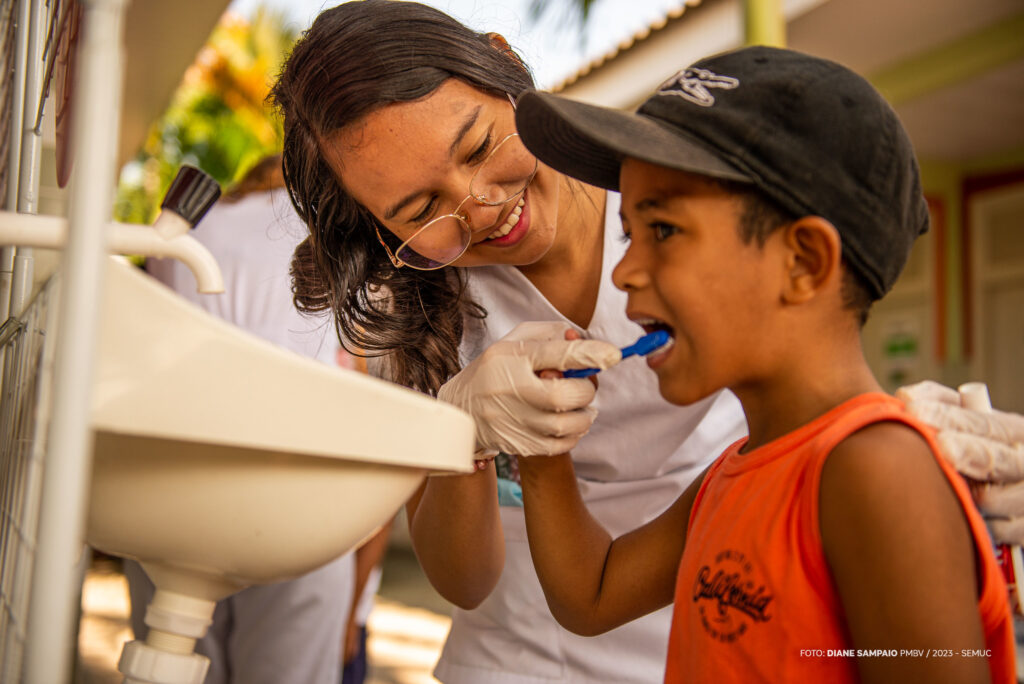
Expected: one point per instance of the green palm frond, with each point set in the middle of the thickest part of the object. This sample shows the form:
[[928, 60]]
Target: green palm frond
[[579, 8]]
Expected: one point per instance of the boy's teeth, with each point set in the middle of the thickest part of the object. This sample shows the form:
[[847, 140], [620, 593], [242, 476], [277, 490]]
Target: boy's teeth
[[652, 324], [510, 222]]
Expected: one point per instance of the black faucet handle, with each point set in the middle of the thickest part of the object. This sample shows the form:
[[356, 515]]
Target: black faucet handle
[[191, 194]]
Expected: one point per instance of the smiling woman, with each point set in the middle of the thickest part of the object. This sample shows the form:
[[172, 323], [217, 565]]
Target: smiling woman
[[475, 197], [442, 247], [333, 92]]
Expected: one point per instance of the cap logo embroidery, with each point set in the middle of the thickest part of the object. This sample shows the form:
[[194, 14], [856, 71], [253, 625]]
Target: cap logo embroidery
[[692, 84]]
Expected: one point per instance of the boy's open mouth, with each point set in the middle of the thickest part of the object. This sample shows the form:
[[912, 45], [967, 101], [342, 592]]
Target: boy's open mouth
[[652, 325]]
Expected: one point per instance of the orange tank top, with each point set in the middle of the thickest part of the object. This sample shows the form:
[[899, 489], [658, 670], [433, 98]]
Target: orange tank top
[[754, 599]]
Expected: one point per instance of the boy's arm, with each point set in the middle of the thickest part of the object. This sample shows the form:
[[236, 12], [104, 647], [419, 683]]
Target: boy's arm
[[902, 557], [592, 583]]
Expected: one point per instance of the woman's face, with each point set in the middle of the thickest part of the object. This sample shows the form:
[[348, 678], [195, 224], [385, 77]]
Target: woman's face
[[411, 162]]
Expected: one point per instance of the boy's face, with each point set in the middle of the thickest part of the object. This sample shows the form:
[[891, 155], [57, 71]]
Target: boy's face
[[688, 271]]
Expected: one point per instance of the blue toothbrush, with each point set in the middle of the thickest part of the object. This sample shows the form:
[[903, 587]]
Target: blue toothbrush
[[642, 347]]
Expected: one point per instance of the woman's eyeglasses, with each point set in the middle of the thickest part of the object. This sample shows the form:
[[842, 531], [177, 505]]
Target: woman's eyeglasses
[[501, 178]]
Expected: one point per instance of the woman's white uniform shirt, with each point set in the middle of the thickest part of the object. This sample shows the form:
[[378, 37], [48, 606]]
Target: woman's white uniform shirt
[[638, 457]]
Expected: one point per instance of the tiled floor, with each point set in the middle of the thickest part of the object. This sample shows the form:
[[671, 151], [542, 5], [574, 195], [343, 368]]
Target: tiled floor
[[103, 628], [407, 627]]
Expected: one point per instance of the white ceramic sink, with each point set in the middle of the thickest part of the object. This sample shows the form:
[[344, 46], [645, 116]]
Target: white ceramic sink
[[222, 460]]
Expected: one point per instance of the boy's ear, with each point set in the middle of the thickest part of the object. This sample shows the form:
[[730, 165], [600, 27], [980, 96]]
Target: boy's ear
[[814, 258]]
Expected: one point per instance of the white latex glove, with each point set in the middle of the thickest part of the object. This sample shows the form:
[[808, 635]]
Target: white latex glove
[[516, 411], [985, 447]]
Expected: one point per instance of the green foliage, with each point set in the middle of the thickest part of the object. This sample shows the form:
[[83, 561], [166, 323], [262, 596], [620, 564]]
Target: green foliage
[[579, 8], [218, 119]]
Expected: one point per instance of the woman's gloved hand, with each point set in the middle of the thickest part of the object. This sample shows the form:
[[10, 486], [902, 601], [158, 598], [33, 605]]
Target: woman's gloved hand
[[515, 410], [985, 447]]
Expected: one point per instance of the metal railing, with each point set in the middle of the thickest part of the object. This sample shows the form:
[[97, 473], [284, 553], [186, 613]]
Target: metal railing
[[24, 409], [48, 350], [22, 335]]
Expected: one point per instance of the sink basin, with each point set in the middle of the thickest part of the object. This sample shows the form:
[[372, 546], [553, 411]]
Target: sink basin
[[222, 461], [207, 520]]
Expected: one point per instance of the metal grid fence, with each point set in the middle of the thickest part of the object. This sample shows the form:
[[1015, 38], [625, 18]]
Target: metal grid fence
[[8, 36], [24, 411]]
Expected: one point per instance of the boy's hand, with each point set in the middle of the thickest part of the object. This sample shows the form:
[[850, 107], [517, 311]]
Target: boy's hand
[[985, 447], [515, 410]]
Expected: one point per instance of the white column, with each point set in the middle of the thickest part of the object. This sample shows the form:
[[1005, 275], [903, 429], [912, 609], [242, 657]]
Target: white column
[[68, 464]]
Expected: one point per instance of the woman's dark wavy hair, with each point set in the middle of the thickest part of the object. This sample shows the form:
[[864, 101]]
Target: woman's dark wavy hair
[[356, 58]]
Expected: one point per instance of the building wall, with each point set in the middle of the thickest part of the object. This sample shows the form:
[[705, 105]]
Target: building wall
[[954, 73]]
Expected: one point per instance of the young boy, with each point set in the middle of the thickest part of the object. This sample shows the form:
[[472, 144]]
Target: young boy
[[769, 197]]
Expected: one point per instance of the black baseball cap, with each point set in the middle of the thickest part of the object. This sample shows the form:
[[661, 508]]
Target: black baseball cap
[[809, 133]]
